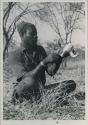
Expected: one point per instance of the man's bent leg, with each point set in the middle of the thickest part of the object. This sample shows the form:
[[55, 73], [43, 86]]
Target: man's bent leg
[[68, 86], [65, 86]]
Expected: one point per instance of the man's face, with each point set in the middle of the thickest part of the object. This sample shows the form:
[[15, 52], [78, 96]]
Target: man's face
[[29, 39]]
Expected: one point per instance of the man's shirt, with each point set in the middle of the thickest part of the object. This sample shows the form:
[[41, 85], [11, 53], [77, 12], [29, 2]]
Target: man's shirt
[[22, 61]]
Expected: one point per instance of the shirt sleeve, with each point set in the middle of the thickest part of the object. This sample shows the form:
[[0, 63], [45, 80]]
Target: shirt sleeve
[[42, 52]]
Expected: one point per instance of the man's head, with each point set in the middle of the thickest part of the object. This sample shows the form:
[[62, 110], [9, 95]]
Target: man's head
[[28, 34]]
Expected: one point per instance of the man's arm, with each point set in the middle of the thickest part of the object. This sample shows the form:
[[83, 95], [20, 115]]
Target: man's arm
[[51, 62]]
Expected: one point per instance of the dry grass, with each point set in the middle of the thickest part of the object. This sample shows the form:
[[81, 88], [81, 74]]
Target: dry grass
[[50, 106]]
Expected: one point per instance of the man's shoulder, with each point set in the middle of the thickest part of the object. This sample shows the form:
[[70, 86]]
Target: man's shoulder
[[41, 49]]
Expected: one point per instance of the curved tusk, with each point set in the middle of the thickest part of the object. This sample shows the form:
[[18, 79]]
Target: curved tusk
[[73, 55], [68, 48]]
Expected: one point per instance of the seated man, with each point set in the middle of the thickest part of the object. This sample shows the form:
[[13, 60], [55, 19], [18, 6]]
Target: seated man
[[29, 55]]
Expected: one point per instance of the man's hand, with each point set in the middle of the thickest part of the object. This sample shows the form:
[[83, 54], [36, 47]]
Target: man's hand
[[51, 58]]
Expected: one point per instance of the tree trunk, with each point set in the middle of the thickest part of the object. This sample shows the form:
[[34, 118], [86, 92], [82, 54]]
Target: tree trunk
[[6, 46]]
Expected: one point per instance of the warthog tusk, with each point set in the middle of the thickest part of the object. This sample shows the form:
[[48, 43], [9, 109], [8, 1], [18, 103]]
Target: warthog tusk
[[73, 55], [68, 48]]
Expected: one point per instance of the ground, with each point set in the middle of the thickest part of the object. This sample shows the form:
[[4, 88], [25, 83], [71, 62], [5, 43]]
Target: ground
[[50, 107]]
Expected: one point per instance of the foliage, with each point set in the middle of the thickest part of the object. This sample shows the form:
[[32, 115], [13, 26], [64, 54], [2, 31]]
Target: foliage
[[9, 24], [64, 18]]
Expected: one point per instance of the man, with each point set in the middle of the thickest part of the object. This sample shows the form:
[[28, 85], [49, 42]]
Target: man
[[29, 55]]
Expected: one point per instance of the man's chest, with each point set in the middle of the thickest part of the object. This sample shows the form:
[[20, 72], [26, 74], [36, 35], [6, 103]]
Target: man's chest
[[21, 62], [30, 60]]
